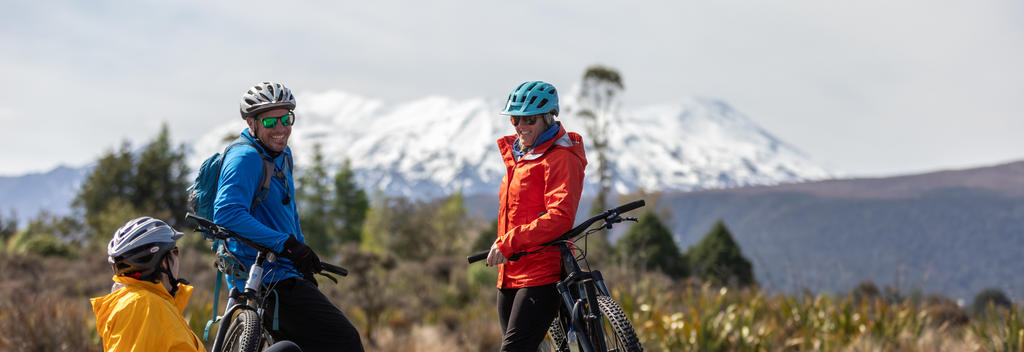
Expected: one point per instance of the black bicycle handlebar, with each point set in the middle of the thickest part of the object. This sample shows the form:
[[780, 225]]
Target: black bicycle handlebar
[[478, 257], [334, 269], [217, 231], [611, 215]]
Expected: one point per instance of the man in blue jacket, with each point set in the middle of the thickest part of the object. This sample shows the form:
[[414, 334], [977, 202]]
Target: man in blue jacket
[[305, 316]]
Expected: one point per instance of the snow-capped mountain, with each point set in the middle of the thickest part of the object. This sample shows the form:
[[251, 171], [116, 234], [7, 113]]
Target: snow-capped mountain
[[435, 145]]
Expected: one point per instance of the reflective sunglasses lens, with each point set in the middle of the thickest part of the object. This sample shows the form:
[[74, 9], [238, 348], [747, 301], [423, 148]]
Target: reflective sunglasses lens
[[529, 120], [286, 120]]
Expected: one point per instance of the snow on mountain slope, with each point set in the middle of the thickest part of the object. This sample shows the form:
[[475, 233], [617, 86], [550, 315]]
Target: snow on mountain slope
[[435, 145]]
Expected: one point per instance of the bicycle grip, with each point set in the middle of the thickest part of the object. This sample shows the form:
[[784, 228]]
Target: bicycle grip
[[478, 257], [200, 220], [331, 268], [629, 206]]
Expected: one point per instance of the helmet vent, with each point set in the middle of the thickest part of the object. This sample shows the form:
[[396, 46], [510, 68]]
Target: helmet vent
[[258, 88], [531, 86], [542, 102], [533, 99]]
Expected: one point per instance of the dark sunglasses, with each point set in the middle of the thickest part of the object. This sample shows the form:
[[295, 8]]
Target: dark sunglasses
[[529, 120], [286, 120]]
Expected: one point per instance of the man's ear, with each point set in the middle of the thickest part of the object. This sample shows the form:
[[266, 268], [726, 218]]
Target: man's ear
[[251, 122]]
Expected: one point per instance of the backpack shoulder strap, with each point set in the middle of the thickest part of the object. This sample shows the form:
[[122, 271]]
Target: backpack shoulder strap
[[268, 171]]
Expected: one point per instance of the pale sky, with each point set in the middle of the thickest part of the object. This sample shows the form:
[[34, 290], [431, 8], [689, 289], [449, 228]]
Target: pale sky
[[862, 87]]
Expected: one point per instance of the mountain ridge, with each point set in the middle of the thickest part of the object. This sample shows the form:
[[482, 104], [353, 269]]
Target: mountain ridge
[[437, 145]]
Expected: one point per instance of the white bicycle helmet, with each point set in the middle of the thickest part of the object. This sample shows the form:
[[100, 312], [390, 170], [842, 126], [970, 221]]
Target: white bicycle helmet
[[266, 96], [140, 245]]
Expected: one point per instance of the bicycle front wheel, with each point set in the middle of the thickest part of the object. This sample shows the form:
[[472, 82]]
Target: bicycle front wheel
[[245, 333], [618, 331]]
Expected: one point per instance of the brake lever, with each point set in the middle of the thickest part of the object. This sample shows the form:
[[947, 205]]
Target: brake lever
[[329, 276]]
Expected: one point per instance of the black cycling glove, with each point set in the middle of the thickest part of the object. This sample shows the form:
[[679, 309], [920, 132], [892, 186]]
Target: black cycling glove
[[303, 258]]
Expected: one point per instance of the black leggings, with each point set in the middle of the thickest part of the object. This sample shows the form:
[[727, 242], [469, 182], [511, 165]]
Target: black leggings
[[308, 319], [525, 314]]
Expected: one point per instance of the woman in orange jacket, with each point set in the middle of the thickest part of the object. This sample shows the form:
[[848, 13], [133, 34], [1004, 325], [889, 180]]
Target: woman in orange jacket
[[537, 203]]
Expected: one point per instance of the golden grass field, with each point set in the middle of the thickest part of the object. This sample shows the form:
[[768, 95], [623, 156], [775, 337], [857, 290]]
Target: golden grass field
[[446, 305]]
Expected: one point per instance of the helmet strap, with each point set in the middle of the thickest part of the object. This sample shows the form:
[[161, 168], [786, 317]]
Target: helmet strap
[[172, 281]]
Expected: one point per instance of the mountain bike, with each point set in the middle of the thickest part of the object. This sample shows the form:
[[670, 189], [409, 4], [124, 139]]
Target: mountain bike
[[588, 311], [244, 330]]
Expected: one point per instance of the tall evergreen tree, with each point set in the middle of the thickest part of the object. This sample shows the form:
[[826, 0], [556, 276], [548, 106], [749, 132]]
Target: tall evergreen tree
[[313, 193], [110, 180], [450, 225], [154, 185], [717, 258], [649, 245], [160, 180], [349, 206]]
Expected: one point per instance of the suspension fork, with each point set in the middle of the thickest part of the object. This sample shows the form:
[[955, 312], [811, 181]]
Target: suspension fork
[[581, 305]]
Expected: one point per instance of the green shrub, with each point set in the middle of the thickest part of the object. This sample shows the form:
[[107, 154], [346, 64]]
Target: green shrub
[[717, 259], [480, 275], [989, 296], [649, 245], [49, 246]]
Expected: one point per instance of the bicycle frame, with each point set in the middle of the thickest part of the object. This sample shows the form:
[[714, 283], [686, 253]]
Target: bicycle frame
[[250, 299], [579, 290]]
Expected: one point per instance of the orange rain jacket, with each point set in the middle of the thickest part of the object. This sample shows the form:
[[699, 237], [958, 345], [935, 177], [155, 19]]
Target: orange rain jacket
[[142, 316], [537, 202]]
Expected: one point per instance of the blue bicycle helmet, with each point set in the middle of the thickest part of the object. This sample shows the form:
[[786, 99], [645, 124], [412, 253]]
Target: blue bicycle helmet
[[532, 98]]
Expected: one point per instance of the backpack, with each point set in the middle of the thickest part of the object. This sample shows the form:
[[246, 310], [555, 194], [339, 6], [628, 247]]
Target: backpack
[[203, 192]]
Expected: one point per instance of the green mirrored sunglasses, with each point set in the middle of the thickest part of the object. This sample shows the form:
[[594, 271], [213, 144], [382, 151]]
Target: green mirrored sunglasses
[[286, 120]]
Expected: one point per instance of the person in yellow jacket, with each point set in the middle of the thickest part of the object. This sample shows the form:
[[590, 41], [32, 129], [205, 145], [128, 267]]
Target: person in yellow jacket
[[143, 311]]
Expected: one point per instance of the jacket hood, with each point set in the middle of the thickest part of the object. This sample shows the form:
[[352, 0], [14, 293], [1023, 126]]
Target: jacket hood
[[104, 306], [571, 141]]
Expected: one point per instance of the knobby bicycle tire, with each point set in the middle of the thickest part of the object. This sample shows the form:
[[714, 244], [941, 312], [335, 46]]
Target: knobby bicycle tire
[[245, 332], [556, 340], [619, 333]]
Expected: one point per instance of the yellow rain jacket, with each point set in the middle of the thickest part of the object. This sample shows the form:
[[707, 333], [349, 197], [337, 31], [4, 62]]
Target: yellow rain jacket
[[142, 316]]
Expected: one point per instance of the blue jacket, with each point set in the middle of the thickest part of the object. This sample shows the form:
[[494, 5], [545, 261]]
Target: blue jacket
[[270, 223]]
